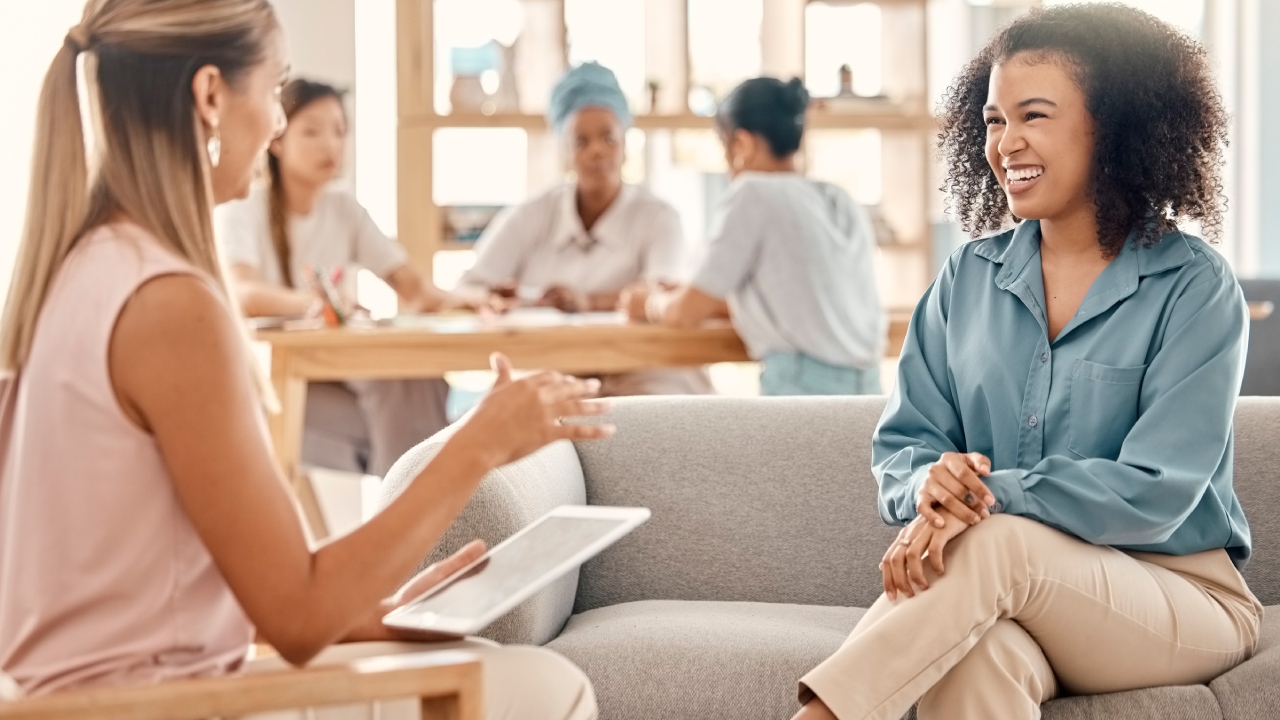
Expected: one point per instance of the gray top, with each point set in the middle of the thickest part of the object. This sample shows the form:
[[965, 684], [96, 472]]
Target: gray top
[[794, 258]]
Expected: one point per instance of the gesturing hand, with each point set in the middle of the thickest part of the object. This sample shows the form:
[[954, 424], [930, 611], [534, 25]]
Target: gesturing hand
[[903, 563], [518, 417], [632, 300], [955, 483], [564, 300]]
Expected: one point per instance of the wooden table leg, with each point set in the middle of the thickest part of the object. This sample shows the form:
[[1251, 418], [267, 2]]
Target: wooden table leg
[[286, 437]]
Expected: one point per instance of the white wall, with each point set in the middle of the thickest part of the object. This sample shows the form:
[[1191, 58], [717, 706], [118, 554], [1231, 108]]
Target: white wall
[[322, 41], [30, 37], [322, 47]]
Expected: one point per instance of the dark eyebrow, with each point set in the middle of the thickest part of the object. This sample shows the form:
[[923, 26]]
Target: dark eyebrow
[[1024, 103]]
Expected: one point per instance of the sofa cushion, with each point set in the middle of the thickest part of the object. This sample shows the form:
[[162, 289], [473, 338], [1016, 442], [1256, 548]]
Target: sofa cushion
[[672, 660], [1252, 690], [687, 660]]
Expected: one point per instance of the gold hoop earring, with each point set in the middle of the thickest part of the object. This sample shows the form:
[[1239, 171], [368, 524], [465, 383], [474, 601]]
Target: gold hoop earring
[[215, 148]]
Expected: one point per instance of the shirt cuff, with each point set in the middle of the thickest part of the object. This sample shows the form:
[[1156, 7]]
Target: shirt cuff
[[1006, 486], [914, 484]]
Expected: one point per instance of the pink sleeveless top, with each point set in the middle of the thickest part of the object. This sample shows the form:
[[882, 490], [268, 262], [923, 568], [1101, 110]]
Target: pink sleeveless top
[[103, 580]]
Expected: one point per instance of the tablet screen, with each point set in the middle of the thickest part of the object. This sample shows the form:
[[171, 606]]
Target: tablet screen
[[515, 566]]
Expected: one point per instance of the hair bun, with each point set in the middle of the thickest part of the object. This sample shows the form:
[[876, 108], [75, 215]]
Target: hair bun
[[797, 93]]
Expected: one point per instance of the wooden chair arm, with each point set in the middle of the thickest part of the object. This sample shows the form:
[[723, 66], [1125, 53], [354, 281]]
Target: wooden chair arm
[[448, 683]]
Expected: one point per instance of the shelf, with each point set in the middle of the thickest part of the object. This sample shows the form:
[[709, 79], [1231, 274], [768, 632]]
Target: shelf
[[816, 121]]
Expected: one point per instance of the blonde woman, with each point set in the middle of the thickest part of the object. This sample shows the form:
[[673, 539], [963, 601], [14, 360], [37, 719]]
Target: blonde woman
[[145, 532]]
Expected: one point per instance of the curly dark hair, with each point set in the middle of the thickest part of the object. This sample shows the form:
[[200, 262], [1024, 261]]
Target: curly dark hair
[[1160, 127]]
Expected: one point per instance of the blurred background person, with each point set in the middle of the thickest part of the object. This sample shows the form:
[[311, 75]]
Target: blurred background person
[[791, 260], [576, 246], [301, 220]]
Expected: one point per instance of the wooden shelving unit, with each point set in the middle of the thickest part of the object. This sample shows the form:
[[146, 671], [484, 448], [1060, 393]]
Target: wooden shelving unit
[[906, 128]]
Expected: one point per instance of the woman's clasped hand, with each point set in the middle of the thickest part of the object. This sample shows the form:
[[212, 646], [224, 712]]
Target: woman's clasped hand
[[952, 499]]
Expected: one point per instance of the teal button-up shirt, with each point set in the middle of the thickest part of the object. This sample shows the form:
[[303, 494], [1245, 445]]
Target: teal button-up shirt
[[1119, 431]]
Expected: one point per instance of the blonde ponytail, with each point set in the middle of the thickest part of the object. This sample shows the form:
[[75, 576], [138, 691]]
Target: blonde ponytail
[[56, 205], [149, 159]]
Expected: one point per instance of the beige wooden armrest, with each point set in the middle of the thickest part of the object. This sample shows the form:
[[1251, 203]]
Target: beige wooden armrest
[[448, 682]]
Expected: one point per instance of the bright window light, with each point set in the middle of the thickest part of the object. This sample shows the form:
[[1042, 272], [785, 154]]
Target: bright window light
[[851, 159], [480, 166], [612, 34], [724, 44], [376, 108], [35, 33], [837, 35]]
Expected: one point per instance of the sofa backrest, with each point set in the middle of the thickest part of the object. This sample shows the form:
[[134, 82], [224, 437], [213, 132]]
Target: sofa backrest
[[772, 500], [766, 500]]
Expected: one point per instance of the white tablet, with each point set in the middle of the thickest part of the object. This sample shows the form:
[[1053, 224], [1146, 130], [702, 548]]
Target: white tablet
[[521, 565]]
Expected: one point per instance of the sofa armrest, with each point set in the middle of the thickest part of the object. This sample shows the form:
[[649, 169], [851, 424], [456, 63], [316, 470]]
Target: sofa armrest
[[449, 684], [507, 500]]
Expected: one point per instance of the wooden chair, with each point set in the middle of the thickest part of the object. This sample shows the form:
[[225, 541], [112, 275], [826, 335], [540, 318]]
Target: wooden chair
[[448, 684]]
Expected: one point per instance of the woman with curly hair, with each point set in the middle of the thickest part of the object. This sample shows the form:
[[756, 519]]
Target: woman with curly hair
[[1059, 444]]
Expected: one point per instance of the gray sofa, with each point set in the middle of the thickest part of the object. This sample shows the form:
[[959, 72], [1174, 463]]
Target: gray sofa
[[762, 552]]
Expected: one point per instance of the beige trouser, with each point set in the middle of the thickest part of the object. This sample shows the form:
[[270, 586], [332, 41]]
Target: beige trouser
[[1025, 613], [520, 683], [386, 420]]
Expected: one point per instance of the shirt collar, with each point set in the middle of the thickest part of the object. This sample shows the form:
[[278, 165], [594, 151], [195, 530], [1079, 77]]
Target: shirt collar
[[1013, 249], [569, 232]]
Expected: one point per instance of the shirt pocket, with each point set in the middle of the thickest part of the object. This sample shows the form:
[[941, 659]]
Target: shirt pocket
[[1104, 407]]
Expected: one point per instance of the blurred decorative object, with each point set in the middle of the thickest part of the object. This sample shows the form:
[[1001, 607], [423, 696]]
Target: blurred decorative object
[[470, 65], [466, 223], [484, 79], [474, 45], [653, 86], [846, 81]]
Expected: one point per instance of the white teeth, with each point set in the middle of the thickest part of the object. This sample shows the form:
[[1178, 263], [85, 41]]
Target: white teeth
[[1024, 174]]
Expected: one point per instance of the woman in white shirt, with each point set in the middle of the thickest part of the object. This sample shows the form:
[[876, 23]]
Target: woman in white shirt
[[576, 246], [791, 261], [300, 221]]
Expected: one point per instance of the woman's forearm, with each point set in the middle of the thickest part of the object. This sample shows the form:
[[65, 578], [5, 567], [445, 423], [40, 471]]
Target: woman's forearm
[[345, 587]]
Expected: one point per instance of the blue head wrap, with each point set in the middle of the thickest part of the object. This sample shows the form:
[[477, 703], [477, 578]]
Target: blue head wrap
[[587, 85]]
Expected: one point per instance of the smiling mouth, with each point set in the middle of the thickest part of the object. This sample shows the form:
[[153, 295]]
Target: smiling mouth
[[1021, 178]]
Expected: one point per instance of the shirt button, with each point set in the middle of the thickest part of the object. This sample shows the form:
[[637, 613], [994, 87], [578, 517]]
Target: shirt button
[[1033, 421], [1044, 357], [996, 508]]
